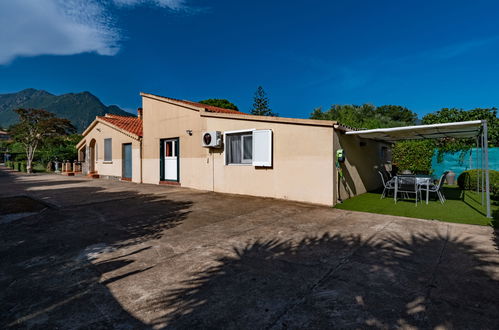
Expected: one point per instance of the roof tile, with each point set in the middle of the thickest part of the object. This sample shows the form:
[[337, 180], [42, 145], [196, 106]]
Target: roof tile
[[130, 124]]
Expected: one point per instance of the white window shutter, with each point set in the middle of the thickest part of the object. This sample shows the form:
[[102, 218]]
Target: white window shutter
[[262, 147]]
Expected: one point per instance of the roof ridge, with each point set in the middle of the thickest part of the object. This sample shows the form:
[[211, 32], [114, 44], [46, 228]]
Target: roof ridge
[[121, 116], [207, 107]]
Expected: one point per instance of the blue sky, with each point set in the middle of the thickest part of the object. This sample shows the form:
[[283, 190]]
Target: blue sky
[[424, 55]]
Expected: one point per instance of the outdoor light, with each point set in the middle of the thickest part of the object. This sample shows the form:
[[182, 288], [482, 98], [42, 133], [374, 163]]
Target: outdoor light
[[188, 131]]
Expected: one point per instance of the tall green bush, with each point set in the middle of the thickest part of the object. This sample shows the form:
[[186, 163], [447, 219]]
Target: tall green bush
[[468, 179], [414, 156]]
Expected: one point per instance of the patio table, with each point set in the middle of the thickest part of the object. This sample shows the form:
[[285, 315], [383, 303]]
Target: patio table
[[420, 181]]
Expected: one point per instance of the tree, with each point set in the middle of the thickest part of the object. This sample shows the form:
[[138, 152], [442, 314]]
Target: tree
[[261, 104], [398, 113], [35, 127], [221, 103], [60, 147], [447, 115], [367, 115]]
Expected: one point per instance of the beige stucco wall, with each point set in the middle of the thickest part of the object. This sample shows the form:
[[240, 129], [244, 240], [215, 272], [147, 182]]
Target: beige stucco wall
[[360, 166], [162, 120], [102, 131], [303, 167], [302, 163]]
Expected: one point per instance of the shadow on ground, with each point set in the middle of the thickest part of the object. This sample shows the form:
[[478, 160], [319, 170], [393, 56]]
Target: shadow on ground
[[49, 276], [382, 284]]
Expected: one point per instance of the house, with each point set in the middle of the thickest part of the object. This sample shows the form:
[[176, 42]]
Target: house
[[276, 157], [4, 136], [111, 147]]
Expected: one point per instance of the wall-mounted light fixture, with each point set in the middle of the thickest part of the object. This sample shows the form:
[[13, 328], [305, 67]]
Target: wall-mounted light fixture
[[98, 129], [189, 131]]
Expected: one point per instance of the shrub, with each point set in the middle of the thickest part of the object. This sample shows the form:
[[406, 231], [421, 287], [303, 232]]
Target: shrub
[[414, 155], [468, 180], [495, 191]]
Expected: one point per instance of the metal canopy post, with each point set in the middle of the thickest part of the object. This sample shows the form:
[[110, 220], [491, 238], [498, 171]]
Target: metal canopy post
[[486, 152], [478, 165], [482, 169]]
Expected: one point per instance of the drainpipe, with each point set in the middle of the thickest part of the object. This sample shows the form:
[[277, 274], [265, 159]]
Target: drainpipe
[[140, 152], [140, 115]]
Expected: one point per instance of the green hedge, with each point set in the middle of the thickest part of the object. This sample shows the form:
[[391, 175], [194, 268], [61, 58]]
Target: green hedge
[[414, 156], [18, 166], [468, 181], [21, 166]]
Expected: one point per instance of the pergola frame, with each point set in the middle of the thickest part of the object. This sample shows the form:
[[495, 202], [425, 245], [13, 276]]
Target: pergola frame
[[465, 129]]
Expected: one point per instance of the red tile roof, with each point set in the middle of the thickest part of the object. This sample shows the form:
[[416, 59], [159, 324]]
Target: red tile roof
[[207, 107], [130, 124]]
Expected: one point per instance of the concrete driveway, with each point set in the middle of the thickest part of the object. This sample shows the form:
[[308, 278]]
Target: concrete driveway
[[98, 254]]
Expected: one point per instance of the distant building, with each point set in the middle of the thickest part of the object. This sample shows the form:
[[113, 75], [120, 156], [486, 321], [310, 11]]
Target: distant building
[[4, 135]]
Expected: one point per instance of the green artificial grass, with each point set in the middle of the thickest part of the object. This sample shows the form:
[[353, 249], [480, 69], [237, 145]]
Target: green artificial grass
[[460, 207]]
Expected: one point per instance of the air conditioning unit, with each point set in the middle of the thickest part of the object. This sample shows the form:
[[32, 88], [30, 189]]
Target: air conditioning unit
[[212, 139]]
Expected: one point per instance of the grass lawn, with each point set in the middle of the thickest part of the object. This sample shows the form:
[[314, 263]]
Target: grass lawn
[[460, 207]]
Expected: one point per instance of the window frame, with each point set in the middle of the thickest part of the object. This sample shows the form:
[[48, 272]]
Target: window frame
[[244, 162]]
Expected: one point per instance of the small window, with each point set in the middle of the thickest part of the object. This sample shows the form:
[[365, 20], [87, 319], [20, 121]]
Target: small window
[[386, 155], [108, 150], [171, 148], [239, 148]]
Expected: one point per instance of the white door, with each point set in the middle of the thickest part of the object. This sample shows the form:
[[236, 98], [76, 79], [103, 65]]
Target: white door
[[171, 161]]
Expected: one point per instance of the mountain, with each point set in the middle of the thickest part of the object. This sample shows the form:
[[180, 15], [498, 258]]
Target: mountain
[[80, 108]]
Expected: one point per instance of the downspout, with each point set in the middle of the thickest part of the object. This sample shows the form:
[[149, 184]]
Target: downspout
[[140, 148], [341, 129], [140, 115]]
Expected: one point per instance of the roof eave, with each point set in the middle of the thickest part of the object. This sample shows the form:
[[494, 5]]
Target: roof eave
[[279, 120], [98, 120], [168, 100]]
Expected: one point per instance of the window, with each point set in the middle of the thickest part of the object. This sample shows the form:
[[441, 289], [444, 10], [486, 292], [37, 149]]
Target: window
[[108, 150], [239, 148], [171, 148], [386, 155], [249, 148]]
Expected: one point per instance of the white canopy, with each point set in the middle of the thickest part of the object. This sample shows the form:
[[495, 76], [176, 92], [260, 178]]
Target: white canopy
[[464, 129]]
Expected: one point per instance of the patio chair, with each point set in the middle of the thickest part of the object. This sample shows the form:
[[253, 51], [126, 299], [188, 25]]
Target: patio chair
[[387, 184], [407, 185], [437, 188]]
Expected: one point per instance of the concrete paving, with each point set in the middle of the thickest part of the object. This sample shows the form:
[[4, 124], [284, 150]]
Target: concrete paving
[[105, 254]]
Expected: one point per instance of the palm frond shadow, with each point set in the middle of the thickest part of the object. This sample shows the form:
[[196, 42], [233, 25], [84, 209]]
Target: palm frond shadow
[[338, 281]]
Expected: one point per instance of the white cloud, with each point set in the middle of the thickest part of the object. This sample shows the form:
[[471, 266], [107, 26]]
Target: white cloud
[[172, 4], [63, 27]]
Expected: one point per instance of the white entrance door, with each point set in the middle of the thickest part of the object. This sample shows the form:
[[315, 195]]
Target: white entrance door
[[171, 161]]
